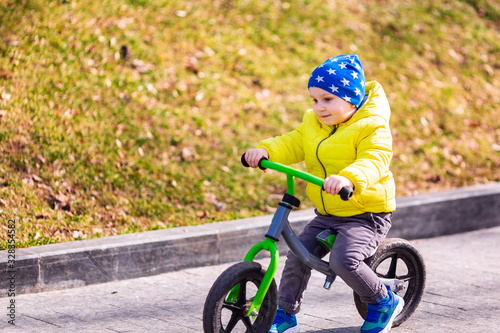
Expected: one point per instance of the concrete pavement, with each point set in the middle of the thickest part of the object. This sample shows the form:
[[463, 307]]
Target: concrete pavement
[[462, 295]]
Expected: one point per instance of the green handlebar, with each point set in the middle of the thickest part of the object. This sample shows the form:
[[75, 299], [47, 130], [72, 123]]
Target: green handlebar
[[291, 172], [345, 193]]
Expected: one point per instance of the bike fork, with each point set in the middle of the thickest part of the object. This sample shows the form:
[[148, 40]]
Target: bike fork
[[269, 245]]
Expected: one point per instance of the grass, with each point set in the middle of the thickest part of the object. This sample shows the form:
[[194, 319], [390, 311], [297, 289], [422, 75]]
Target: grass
[[125, 116]]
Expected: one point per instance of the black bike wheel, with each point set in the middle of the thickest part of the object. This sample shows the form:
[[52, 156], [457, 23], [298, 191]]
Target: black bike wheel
[[220, 315], [397, 258]]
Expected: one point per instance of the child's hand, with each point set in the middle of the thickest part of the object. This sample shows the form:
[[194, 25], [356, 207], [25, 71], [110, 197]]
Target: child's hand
[[253, 156], [334, 184]]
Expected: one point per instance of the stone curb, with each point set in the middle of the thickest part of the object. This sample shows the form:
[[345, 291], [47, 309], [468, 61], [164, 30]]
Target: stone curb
[[80, 263]]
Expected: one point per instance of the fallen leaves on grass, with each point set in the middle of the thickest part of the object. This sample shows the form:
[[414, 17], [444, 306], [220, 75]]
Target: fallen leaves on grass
[[59, 201], [141, 66]]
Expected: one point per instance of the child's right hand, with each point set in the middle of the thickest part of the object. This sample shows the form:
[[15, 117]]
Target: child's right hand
[[253, 156]]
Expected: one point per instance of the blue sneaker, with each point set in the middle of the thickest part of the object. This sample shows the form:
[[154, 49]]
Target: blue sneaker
[[381, 315], [284, 322]]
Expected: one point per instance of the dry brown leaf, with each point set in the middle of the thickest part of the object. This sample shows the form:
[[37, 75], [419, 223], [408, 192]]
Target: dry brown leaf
[[141, 66], [202, 213], [188, 154], [59, 201], [37, 179], [192, 65], [40, 158]]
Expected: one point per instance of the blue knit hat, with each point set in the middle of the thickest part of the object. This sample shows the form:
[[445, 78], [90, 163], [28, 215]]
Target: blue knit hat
[[342, 76]]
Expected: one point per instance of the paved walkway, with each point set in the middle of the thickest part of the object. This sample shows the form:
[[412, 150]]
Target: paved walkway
[[462, 295]]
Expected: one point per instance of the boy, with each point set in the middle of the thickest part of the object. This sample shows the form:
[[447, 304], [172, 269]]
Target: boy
[[346, 140]]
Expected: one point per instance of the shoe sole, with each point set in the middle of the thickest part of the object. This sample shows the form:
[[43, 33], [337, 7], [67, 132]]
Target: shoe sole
[[294, 329], [396, 312]]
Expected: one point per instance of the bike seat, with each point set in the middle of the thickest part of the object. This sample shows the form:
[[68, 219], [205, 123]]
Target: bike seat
[[326, 238]]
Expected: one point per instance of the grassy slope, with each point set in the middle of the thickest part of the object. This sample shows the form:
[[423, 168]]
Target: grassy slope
[[123, 116]]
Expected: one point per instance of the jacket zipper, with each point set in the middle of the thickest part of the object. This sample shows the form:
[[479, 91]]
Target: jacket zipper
[[324, 169]]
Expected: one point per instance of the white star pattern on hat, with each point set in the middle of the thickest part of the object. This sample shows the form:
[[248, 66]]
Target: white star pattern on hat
[[362, 83], [342, 65], [354, 75], [352, 60], [319, 79], [345, 82], [334, 89], [331, 71], [357, 91], [347, 99]]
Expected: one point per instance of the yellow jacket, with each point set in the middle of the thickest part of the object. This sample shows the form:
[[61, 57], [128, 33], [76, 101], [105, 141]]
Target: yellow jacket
[[359, 149]]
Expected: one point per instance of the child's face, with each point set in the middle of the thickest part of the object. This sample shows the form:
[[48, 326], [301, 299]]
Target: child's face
[[329, 108]]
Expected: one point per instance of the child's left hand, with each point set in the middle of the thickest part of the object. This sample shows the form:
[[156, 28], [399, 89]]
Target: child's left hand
[[333, 184]]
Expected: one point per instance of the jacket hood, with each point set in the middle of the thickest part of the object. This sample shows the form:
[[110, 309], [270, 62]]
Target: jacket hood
[[376, 104]]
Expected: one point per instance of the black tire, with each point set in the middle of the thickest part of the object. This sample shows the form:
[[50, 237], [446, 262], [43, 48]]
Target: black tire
[[220, 315], [397, 258]]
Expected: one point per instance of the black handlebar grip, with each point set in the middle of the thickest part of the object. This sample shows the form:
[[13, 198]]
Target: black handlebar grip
[[245, 163], [346, 193]]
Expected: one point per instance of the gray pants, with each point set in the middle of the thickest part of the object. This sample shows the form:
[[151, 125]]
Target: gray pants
[[357, 237]]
